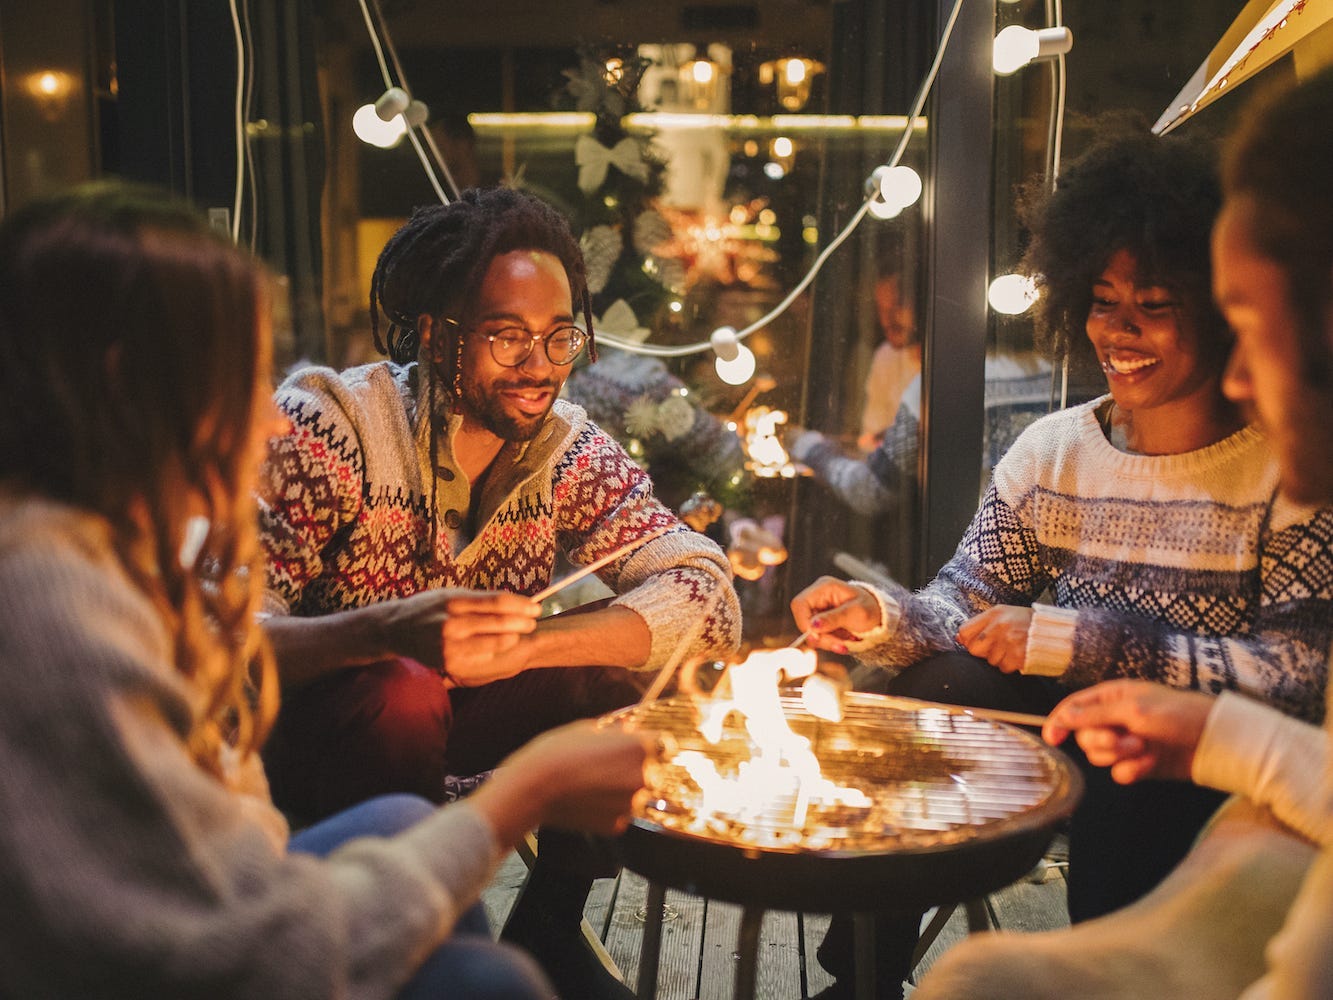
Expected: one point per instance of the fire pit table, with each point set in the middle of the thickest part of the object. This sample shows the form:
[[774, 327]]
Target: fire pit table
[[954, 807]]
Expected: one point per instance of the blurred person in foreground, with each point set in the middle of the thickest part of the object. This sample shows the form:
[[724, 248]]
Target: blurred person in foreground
[[140, 855], [1250, 910]]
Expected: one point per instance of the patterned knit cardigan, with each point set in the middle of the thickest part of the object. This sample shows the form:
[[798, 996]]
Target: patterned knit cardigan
[[346, 517], [1186, 569]]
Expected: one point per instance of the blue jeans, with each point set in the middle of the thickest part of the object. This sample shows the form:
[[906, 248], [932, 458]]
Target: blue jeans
[[469, 964]]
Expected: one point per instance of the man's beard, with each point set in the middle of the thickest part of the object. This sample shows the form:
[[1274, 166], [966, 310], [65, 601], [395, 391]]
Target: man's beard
[[484, 405]]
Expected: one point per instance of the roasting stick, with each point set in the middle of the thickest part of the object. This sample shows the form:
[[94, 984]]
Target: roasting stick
[[992, 714], [593, 567]]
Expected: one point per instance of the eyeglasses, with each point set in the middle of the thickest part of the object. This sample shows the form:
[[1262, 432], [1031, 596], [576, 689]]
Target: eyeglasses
[[512, 345]]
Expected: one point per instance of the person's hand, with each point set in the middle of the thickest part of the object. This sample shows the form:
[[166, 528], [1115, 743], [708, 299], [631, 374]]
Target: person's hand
[[1136, 728], [470, 636], [999, 635], [833, 612], [577, 777]]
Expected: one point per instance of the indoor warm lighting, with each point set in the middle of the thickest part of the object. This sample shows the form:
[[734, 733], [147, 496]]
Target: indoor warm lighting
[[793, 77], [1017, 46], [699, 83], [892, 190], [735, 362], [1012, 294]]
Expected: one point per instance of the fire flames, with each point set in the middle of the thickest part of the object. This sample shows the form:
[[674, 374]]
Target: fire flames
[[780, 775]]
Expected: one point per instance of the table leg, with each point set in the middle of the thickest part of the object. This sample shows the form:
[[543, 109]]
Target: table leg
[[652, 941], [747, 951], [863, 938]]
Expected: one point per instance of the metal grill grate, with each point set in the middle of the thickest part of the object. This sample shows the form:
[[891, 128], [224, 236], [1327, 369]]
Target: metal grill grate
[[934, 778]]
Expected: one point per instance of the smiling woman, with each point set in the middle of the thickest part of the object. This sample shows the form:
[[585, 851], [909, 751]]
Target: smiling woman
[[1122, 254]]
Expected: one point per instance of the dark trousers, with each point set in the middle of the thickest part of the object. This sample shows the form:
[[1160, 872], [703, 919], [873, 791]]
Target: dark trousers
[[1123, 839], [392, 727]]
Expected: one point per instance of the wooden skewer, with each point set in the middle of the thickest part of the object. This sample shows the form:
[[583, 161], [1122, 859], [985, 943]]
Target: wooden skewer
[[992, 714], [592, 567]]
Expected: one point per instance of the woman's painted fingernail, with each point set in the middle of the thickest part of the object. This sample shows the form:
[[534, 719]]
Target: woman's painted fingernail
[[817, 623]]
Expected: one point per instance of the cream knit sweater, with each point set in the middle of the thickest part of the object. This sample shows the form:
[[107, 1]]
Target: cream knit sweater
[[126, 871]]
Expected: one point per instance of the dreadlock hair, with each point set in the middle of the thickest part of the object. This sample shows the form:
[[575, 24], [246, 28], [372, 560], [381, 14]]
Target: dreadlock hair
[[1153, 197], [435, 263], [133, 367]]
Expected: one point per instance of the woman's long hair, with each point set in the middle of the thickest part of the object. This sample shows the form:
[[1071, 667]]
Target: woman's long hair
[[133, 366]]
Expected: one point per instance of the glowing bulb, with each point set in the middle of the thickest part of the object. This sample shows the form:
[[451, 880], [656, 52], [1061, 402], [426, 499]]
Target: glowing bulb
[[371, 128], [735, 362], [1012, 294], [1017, 46], [795, 71], [893, 188], [48, 83], [782, 147], [738, 371], [702, 71]]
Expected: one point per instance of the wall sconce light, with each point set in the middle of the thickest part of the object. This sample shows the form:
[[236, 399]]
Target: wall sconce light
[[735, 362], [699, 82], [1012, 294], [891, 189], [51, 90], [793, 76], [1017, 46]]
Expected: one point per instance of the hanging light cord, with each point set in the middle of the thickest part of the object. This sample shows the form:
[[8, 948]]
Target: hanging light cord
[[923, 92]]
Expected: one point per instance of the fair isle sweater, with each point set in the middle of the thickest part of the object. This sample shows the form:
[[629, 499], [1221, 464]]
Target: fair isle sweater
[[1189, 569], [129, 872], [346, 518]]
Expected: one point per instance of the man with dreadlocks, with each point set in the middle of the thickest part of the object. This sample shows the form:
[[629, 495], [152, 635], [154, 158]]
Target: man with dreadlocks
[[416, 506]]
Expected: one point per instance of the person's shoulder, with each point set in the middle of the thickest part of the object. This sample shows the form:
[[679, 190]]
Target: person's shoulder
[[54, 557]]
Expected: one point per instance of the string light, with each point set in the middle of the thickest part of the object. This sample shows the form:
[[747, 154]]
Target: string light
[[1012, 294], [1016, 46], [735, 362], [892, 189], [685, 350]]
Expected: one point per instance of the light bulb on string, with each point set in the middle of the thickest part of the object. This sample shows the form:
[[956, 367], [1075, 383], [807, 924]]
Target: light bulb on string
[[1012, 294], [735, 362], [371, 128], [892, 189], [1016, 46]]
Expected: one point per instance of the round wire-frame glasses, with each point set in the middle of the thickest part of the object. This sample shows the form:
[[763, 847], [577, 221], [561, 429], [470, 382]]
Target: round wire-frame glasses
[[512, 345]]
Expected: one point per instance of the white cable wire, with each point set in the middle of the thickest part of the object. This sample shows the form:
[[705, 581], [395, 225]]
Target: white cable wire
[[239, 123], [837, 241]]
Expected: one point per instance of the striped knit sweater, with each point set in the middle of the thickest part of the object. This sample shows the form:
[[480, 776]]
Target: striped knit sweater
[[346, 520], [1186, 569]]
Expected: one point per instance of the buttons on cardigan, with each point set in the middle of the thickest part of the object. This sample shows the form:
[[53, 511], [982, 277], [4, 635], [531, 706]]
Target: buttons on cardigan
[[453, 518], [445, 473]]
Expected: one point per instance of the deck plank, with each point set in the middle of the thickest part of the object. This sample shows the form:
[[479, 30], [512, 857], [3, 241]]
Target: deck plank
[[699, 938]]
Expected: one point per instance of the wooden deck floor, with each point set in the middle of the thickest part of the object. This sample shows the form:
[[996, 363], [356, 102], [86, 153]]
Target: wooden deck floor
[[698, 956]]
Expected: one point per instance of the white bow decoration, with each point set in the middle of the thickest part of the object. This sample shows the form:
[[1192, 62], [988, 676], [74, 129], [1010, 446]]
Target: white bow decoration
[[593, 159], [621, 322]]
